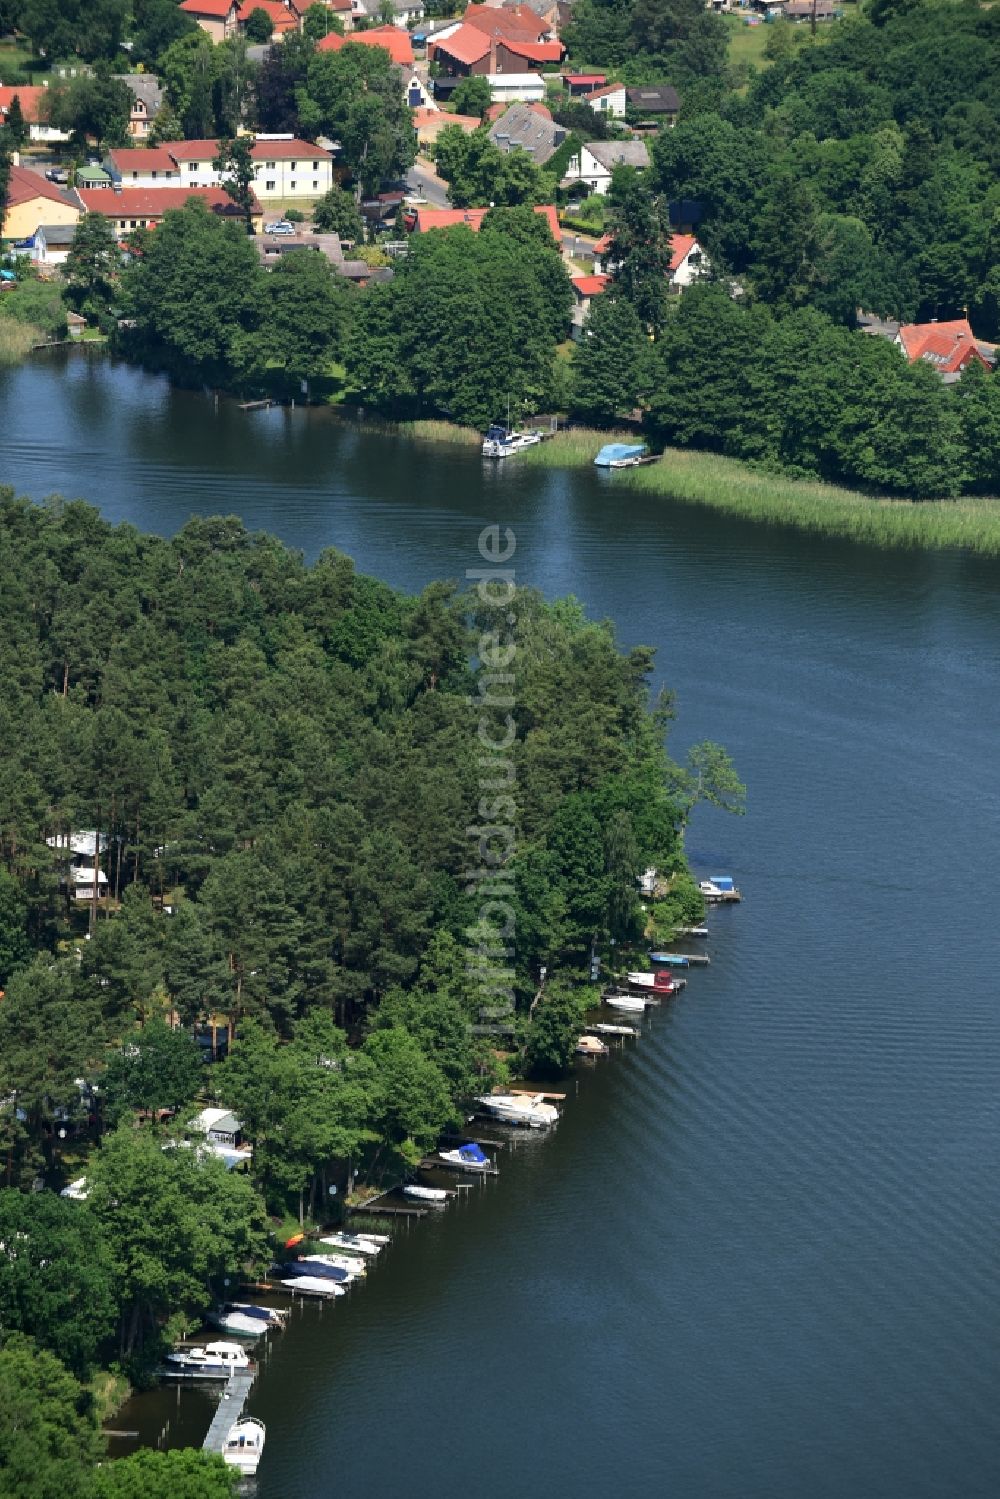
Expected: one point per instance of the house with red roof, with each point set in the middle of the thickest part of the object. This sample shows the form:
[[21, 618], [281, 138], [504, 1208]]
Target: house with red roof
[[688, 260], [585, 288], [31, 201], [142, 166], [948, 347], [578, 85], [284, 18], [34, 111], [134, 208], [217, 18], [608, 99], [284, 167], [425, 219], [392, 39], [516, 23], [471, 51]]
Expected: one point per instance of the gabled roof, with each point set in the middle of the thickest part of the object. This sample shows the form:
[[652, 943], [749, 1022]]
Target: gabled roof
[[448, 218], [141, 159], [280, 17], [31, 101], [467, 45], [947, 346], [202, 150], [681, 246], [518, 23], [293, 150], [23, 186], [538, 52], [393, 39], [613, 154], [579, 79], [609, 88], [150, 202], [589, 286], [216, 10], [144, 86]]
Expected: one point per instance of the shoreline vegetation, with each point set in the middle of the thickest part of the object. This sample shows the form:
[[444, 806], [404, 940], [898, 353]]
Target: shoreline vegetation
[[725, 484]]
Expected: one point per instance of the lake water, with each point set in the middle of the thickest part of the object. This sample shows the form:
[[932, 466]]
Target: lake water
[[758, 1259]]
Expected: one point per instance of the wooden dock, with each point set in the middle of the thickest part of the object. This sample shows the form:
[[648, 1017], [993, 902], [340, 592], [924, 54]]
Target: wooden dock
[[435, 1163], [536, 1092], [379, 1209], [228, 1412], [696, 959]]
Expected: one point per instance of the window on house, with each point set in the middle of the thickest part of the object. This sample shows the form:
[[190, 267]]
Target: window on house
[[292, 184], [133, 223], [315, 186], [135, 176], [270, 165], [269, 186], [291, 166]]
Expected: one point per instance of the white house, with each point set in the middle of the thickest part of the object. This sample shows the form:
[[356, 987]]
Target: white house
[[284, 167], [33, 100], [688, 261], [609, 100], [223, 1135], [594, 162], [405, 13], [142, 166], [51, 243], [509, 88]]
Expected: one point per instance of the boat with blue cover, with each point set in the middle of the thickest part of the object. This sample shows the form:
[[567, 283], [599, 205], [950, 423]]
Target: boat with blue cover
[[669, 960], [467, 1158], [621, 455]]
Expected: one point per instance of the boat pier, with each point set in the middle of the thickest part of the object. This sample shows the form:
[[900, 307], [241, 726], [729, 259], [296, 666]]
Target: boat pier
[[228, 1412]]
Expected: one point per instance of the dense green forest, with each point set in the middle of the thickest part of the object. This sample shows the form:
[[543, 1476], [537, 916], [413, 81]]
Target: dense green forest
[[297, 776]]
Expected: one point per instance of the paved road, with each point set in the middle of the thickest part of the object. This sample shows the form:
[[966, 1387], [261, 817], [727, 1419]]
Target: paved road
[[422, 178]]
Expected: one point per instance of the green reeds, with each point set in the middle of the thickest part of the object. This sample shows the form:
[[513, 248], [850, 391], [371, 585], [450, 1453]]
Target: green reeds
[[725, 484], [447, 432], [576, 446], [17, 340]]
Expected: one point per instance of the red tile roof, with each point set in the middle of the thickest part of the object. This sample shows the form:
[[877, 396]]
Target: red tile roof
[[218, 10], [447, 218], [609, 88], [281, 18], [31, 101], [577, 78], [467, 45], [534, 51], [288, 151], [149, 202], [142, 159], [519, 22], [24, 185], [192, 150], [393, 39], [589, 286], [681, 246], [947, 346]]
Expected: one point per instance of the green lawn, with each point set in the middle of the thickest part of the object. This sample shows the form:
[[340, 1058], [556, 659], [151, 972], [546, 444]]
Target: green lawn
[[16, 59]]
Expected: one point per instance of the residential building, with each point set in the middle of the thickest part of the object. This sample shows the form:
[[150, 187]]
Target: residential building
[[661, 104], [810, 10], [142, 166], [406, 13], [34, 111], [284, 167], [546, 10], [471, 51], [688, 260], [508, 88], [394, 41], [428, 123], [948, 347], [132, 208], [595, 162], [425, 219], [147, 100], [284, 18], [52, 243], [32, 201], [585, 288], [609, 100], [515, 23], [579, 85], [530, 128], [218, 18]]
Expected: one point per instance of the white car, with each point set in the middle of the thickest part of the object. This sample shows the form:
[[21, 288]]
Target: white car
[[280, 226]]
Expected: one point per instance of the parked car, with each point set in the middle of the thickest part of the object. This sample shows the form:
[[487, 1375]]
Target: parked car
[[57, 174], [280, 226]]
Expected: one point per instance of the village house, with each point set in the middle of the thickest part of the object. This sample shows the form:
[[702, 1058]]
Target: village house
[[422, 220], [579, 85], [428, 123], [609, 99], [405, 13], [32, 201], [529, 128], [585, 288], [217, 18], [131, 208], [51, 243], [810, 10], [515, 23], [472, 51], [595, 162], [391, 38], [147, 101], [285, 18], [660, 105], [142, 166], [688, 260], [34, 111], [513, 88]]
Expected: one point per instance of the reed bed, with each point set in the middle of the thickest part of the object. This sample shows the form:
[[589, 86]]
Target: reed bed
[[575, 446], [446, 432], [16, 340], [727, 485]]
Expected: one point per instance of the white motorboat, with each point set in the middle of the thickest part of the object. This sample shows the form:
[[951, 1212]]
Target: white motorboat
[[238, 1322], [503, 442], [214, 1361], [634, 1003], [604, 1029], [436, 1196], [524, 1109], [692, 931], [467, 1158], [349, 1262], [367, 1244], [312, 1285], [245, 1445]]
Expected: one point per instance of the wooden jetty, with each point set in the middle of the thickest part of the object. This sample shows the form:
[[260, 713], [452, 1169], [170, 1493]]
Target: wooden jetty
[[261, 405], [535, 1092], [435, 1163], [379, 1209], [228, 1412], [696, 958]]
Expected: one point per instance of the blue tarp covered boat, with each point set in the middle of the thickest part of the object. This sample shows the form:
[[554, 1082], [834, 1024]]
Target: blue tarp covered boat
[[467, 1158], [670, 959], [620, 454]]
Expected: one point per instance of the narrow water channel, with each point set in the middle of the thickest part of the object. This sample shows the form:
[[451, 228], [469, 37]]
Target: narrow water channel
[[758, 1257]]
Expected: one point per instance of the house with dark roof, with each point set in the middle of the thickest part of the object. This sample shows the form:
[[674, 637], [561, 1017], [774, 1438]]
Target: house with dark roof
[[147, 101], [660, 102], [595, 162], [524, 127]]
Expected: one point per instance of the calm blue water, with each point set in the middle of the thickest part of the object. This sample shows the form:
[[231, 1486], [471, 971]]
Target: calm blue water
[[758, 1258]]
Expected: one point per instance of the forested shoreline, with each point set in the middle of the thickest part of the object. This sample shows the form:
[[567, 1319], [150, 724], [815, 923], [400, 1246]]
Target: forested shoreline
[[284, 769]]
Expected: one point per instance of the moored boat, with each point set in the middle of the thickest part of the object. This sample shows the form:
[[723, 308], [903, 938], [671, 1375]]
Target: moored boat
[[606, 1029], [308, 1285], [469, 1157], [662, 960], [527, 1110], [631, 1002], [242, 1320], [620, 455], [504, 442], [591, 1046], [213, 1361], [245, 1445], [353, 1264], [719, 887], [692, 931], [366, 1244], [318, 1267], [435, 1196]]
